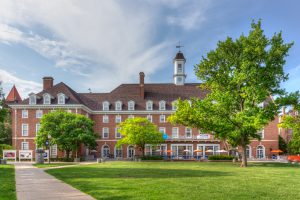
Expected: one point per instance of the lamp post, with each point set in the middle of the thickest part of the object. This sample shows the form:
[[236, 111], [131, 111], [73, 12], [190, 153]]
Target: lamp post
[[49, 145]]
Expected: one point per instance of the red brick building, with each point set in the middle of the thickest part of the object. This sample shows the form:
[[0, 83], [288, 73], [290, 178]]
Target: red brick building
[[107, 110]]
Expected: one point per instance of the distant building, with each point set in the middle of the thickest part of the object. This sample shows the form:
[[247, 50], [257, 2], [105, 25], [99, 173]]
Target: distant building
[[154, 101]]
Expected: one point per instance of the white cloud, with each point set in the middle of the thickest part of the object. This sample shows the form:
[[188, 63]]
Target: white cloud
[[23, 86]]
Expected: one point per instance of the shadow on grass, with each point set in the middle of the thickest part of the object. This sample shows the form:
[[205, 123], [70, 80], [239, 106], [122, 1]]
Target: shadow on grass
[[274, 165], [96, 172]]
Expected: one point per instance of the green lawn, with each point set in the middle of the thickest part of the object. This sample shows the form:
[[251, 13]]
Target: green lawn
[[46, 165], [177, 180], [7, 182]]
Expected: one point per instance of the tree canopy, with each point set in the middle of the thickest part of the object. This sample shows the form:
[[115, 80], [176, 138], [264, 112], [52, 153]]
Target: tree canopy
[[5, 121], [241, 76], [139, 132], [67, 130]]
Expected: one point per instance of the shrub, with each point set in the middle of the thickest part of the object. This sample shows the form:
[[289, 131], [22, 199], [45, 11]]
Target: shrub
[[152, 158], [220, 157]]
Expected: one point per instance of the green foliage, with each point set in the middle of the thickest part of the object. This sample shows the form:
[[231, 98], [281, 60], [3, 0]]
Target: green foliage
[[139, 132], [5, 121], [67, 130], [152, 158], [4, 147], [220, 157], [282, 144], [238, 76]]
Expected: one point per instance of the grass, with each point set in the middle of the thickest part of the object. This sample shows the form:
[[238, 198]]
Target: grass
[[46, 165], [177, 180], [7, 182]]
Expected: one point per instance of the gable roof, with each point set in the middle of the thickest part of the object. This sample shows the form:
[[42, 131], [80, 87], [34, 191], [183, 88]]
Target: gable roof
[[13, 96]]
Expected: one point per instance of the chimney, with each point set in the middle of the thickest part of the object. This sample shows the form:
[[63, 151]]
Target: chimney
[[142, 88], [47, 82]]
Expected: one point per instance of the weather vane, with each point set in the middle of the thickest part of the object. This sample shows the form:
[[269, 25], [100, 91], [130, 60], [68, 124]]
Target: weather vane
[[90, 90], [179, 46]]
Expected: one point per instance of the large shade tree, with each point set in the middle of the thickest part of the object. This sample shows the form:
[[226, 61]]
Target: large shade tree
[[139, 132], [67, 130], [239, 76], [5, 121]]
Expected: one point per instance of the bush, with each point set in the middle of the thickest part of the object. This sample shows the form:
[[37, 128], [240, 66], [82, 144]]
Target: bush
[[152, 158], [220, 157], [4, 147], [62, 159]]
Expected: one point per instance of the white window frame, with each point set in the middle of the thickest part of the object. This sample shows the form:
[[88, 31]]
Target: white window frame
[[38, 114], [131, 105], [32, 99], [262, 133], [25, 131], [179, 65], [188, 129], [61, 99], [105, 105], [117, 132], [105, 119], [162, 117], [162, 129], [162, 105], [118, 105], [22, 145], [46, 99], [37, 128], [149, 117], [177, 132], [263, 150], [24, 114], [130, 116], [174, 105], [104, 131], [149, 105], [118, 119]]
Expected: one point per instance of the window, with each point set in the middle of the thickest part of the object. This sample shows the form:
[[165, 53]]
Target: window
[[47, 99], [105, 119], [174, 105], [118, 134], [118, 105], [162, 118], [260, 152], [37, 128], [175, 132], [149, 105], [61, 98], [118, 152], [69, 111], [188, 132], [261, 134], [179, 68], [105, 132], [38, 114], [149, 117], [24, 113], [118, 119], [248, 151], [25, 146], [105, 105], [162, 129], [162, 105], [130, 116], [32, 99], [24, 129], [105, 151], [131, 105]]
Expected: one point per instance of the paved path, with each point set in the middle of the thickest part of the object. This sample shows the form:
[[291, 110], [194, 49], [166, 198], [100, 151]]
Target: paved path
[[34, 184]]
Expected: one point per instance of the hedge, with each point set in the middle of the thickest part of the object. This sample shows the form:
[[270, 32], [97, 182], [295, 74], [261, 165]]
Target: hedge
[[220, 157]]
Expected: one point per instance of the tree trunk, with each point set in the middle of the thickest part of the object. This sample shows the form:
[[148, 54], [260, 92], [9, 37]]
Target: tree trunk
[[244, 157], [68, 153]]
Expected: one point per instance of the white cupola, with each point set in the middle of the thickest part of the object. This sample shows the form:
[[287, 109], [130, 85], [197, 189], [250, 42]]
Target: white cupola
[[179, 69]]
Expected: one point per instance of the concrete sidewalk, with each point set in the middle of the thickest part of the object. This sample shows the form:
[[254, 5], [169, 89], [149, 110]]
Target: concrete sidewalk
[[35, 184]]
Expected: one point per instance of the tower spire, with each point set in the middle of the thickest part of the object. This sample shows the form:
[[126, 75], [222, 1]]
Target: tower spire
[[179, 67]]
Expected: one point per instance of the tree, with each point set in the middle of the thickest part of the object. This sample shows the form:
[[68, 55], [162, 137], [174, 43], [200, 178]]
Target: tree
[[5, 121], [282, 144], [139, 132], [292, 121], [67, 130], [239, 75]]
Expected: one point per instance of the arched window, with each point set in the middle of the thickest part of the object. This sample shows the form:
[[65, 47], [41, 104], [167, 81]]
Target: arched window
[[149, 105], [162, 105], [105, 105], [260, 152], [61, 98], [105, 151], [118, 105], [47, 99], [131, 105], [248, 151], [118, 152], [32, 99], [130, 151]]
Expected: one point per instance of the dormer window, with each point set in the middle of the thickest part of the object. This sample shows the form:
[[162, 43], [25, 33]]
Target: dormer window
[[32, 99], [105, 105], [118, 105], [131, 105], [149, 105], [61, 98], [162, 105], [174, 105], [47, 99]]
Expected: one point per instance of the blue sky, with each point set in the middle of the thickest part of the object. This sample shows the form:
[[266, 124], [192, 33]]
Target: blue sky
[[101, 44]]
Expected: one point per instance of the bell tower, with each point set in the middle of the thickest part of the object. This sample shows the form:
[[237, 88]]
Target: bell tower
[[179, 68]]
